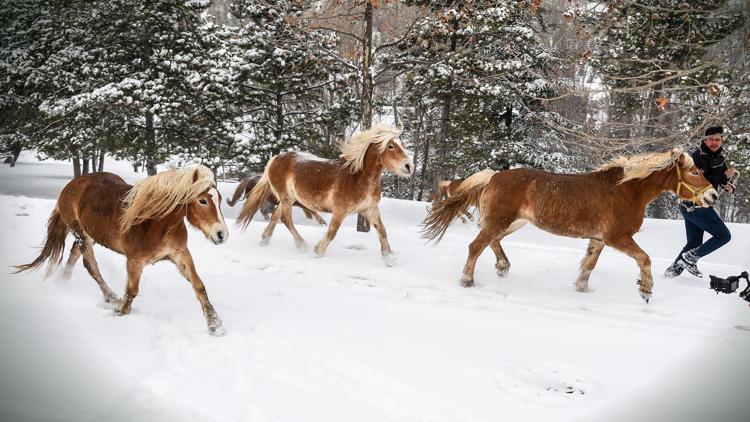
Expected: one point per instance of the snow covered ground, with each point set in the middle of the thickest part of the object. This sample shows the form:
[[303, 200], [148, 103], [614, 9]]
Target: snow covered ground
[[345, 338]]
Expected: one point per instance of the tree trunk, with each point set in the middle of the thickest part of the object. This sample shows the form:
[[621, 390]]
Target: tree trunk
[[278, 130], [446, 112], [94, 161], [417, 140], [15, 151], [366, 73], [85, 166], [150, 145], [362, 224], [100, 167], [76, 166], [425, 159]]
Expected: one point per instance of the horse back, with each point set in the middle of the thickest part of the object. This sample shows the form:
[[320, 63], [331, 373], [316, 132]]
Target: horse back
[[305, 178], [574, 205], [92, 203]]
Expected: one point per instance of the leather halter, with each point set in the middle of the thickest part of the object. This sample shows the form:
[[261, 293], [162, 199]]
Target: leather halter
[[696, 198]]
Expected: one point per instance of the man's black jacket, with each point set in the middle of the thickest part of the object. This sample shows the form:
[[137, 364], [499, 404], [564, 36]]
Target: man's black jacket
[[713, 165]]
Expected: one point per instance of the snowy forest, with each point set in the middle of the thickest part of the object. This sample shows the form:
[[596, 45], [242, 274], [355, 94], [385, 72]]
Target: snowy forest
[[561, 85]]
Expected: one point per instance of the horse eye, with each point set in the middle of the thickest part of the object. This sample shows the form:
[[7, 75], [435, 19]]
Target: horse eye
[[390, 146], [694, 173], [203, 201]]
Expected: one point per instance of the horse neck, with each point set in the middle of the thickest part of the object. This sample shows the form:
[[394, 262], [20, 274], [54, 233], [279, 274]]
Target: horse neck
[[649, 187], [172, 220], [372, 168]]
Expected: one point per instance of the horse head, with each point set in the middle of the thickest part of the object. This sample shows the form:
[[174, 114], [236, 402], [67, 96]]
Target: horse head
[[204, 213], [397, 159], [691, 184]]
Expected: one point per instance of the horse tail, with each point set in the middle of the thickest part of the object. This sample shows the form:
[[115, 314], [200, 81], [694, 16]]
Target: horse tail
[[54, 245], [443, 212], [443, 188], [239, 191], [257, 196]]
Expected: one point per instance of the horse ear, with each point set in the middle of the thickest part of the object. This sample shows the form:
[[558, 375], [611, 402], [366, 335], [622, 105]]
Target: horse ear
[[195, 175], [681, 159]]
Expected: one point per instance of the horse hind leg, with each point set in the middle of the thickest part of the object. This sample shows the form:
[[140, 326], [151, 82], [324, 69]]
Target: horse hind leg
[[89, 261], [286, 218], [502, 264], [310, 214], [486, 236], [588, 263], [75, 253], [268, 232]]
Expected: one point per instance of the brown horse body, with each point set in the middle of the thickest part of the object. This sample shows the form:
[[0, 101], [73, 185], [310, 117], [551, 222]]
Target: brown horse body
[[90, 206], [605, 206], [269, 205], [342, 187], [446, 189]]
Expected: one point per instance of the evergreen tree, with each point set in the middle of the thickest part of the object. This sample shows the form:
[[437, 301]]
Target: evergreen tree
[[485, 66], [295, 94], [133, 77]]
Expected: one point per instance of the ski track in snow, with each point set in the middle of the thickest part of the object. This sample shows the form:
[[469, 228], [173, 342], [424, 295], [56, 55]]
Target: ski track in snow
[[344, 337]]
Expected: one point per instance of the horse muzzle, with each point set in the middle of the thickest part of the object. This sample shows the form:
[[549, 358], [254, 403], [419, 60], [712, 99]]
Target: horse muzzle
[[406, 169], [218, 234], [710, 197]]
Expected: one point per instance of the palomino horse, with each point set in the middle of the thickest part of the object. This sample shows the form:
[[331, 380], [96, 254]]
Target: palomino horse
[[345, 186], [605, 206], [152, 227], [446, 189], [246, 186]]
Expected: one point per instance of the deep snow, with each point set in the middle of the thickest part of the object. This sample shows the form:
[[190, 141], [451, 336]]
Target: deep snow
[[344, 337]]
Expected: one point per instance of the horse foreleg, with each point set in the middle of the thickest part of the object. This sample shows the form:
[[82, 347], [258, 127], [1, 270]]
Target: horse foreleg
[[336, 219], [502, 264], [135, 268], [373, 216], [184, 262], [476, 247], [627, 245], [268, 232], [588, 263], [286, 218], [75, 253], [87, 250]]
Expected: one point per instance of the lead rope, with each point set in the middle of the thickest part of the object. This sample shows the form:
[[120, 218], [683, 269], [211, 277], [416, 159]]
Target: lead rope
[[732, 182]]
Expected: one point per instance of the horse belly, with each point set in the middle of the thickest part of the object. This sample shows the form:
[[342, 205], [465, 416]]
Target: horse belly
[[315, 202], [567, 224]]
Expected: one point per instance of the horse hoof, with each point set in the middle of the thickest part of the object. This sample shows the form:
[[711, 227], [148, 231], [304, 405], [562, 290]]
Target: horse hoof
[[301, 245], [502, 272], [264, 242], [646, 296], [467, 281], [390, 260], [216, 330]]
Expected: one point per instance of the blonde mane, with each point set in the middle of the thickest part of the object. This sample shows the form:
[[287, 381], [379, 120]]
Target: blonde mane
[[354, 150], [642, 165], [156, 196]]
